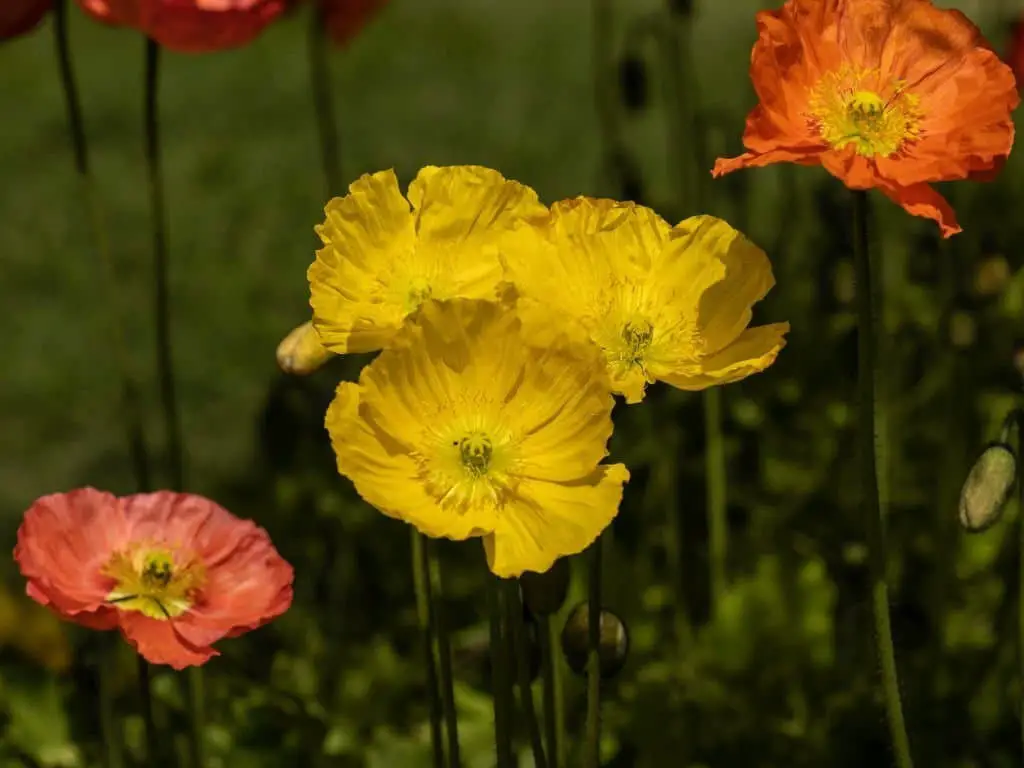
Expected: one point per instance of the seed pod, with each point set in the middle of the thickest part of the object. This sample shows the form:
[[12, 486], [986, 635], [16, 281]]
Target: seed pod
[[301, 352], [544, 593], [988, 487], [633, 82], [612, 649]]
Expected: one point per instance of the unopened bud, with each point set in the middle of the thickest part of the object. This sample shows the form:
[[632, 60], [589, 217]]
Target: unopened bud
[[988, 487], [612, 648], [301, 352], [544, 593]]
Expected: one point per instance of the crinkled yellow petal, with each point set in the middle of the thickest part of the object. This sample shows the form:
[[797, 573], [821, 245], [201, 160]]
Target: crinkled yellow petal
[[712, 266], [367, 236], [385, 474], [753, 351], [549, 520], [300, 352]]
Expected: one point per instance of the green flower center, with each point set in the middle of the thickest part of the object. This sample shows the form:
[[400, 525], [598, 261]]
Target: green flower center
[[476, 450]]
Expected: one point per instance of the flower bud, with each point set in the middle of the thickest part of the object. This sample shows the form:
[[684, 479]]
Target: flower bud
[[633, 82], [612, 648], [988, 487], [544, 593], [301, 352]]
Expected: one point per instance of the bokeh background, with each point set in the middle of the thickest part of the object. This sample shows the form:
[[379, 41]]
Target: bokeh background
[[780, 670]]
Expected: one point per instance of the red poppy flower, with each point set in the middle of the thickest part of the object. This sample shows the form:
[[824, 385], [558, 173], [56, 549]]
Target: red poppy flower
[[194, 26], [344, 18], [893, 94], [19, 16], [174, 572]]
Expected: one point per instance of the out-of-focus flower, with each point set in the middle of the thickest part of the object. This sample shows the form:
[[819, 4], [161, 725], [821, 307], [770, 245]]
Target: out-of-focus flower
[[1015, 56], [665, 303], [477, 421], [300, 352], [19, 16], [33, 631], [893, 94], [344, 18], [381, 259], [194, 26], [174, 572]]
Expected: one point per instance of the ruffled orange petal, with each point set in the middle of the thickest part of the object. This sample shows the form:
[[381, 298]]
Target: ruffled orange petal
[[158, 642], [922, 200]]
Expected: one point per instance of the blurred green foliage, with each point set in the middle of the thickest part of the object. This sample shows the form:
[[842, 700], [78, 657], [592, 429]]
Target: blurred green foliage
[[783, 673]]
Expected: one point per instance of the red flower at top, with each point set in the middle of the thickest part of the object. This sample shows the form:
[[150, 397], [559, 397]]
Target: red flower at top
[[893, 94], [344, 18], [194, 26], [19, 16], [174, 572]]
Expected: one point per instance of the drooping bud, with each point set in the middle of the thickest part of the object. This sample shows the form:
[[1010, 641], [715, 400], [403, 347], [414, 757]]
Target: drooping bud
[[544, 593], [988, 487], [613, 647], [301, 352], [633, 82]]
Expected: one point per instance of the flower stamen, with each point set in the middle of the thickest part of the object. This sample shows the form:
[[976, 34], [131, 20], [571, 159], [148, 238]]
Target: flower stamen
[[154, 581]]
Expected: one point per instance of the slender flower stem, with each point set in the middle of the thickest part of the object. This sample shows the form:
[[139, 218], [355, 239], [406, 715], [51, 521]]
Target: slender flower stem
[[134, 433], [152, 752], [1020, 556], [444, 648], [517, 624], [320, 84], [196, 705], [110, 725], [549, 672], [161, 298], [714, 469], [500, 679], [592, 747], [602, 49], [875, 501], [425, 615]]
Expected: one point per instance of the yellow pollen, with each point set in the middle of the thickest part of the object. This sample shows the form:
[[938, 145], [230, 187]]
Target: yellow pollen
[[154, 581], [848, 108], [475, 450]]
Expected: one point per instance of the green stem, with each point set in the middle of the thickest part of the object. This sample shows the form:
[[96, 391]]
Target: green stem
[[425, 615], [518, 626], [872, 450], [1020, 555], [320, 84], [500, 679], [549, 672], [718, 525], [592, 747], [602, 50], [444, 648], [161, 298], [197, 717], [134, 433], [110, 725], [152, 754]]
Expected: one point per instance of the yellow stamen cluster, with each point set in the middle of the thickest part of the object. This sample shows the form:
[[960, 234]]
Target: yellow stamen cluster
[[155, 581], [857, 107]]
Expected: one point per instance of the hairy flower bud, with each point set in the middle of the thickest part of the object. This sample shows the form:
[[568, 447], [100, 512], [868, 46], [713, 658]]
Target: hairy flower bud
[[301, 352], [988, 487], [544, 593], [612, 649]]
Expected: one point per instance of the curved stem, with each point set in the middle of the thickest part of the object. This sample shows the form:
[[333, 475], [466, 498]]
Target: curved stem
[[425, 615], [875, 501], [714, 472], [320, 84], [592, 747], [161, 298], [444, 648], [518, 627]]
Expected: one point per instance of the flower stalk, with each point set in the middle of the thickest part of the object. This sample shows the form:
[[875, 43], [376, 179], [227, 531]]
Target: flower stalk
[[425, 616], [872, 453], [517, 626], [500, 679], [444, 648], [592, 745], [320, 84], [554, 722]]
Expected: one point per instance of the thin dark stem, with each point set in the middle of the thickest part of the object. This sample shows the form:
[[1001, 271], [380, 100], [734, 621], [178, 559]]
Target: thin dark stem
[[152, 753], [197, 717], [134, 434], [874, 500], [161, 298], [518, 626], [550, 696], [110, 725], [444, 648], [320, 84], [1020, 556], [592, 747], [425, 615], [500, 680], [602, 49]]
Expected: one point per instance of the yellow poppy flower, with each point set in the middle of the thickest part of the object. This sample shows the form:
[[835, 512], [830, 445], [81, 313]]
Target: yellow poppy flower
[[665, 303], [465, 426], [382, 258]]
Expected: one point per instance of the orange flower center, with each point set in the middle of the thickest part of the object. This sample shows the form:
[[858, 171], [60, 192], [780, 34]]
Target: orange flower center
[[155, 581], [856, 107]]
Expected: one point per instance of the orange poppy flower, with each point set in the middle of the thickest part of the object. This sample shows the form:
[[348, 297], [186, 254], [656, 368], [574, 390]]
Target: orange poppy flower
[[191, 26], [174, 572], [344, 18], [893, 94], [19, 16]]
